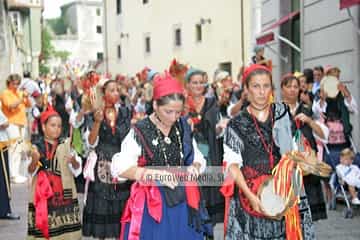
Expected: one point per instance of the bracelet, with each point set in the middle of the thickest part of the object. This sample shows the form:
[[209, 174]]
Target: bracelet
[[142, 175]]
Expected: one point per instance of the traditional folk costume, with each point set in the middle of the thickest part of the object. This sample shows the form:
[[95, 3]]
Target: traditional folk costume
[[244, 144], [106, 197], [155, 211], [209, 145], [54, 210], [312, 183]]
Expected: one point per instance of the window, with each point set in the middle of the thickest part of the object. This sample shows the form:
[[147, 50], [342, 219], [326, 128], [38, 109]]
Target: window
[[145, 1], [98, 12], [147, 45], [225, 66], [118, 7], [100, 56], [98, 29], [295, 36], [177, 37], [119, 51], [198, 33]]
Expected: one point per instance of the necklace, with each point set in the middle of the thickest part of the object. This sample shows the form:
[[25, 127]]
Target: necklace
[[163, 146], [267, 146], [261, 112], [50, 153], [259, 109], [110, 116], [167, 140]]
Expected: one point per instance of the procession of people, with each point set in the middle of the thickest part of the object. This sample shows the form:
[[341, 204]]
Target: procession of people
[[124, 142]]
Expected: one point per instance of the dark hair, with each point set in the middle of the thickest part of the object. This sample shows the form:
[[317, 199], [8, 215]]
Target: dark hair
[[27, 74], [319, 68], [106, 84], [12, 77], [257, 72], [168, 98], [51, 116], [288, 78], [308, 73]]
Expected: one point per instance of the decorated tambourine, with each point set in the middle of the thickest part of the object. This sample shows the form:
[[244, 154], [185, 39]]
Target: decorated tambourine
[[93, 94], [329, 85]]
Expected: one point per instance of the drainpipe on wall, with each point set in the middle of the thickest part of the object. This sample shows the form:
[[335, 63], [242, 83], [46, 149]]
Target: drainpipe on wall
[[302, 42], [242, 33], [353, 21], [106, 60]]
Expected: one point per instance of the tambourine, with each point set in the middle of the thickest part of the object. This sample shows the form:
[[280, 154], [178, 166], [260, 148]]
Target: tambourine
[[274, 206], [93, 94], [330, 86]]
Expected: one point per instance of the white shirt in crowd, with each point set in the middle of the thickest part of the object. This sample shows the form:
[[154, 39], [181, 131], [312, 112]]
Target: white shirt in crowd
[[350, 174]]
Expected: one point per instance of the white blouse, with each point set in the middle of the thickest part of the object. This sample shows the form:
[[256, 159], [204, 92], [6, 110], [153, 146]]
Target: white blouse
[[131, 151]]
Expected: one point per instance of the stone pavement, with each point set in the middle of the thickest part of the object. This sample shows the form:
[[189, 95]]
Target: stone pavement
[[334, 228]]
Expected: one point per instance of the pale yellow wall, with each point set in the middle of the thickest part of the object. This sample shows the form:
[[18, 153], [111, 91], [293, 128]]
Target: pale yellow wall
[[221, 38]]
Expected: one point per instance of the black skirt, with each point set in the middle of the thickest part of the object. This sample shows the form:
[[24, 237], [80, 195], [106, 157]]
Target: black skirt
[[103, 209], [315, 197]]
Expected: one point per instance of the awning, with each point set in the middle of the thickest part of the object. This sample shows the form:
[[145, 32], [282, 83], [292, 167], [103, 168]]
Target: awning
[[348, 3], [283, 20], [265, 38]]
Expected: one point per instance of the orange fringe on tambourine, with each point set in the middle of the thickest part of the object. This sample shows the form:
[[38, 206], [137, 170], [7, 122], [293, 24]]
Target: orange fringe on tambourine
[[288, 184]]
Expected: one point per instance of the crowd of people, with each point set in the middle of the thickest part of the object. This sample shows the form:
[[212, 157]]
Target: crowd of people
[[104, 136]]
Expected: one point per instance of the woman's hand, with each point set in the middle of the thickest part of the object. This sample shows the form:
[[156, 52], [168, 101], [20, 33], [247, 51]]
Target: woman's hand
[[166, 178], [35, 158], [72, 160], [98, 115], [303, 118], [344, 91], [255, 203], [194, 170]]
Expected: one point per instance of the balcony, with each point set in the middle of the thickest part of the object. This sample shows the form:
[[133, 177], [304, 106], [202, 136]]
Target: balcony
[[23, 4]]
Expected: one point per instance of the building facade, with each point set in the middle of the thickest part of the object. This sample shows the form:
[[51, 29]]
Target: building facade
[[205, 34], [324, 33], [83, 36], [20, 37]]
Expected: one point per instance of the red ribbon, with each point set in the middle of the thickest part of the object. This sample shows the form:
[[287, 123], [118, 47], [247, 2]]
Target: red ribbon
[[43, 192], [227, 190], [134, 208]]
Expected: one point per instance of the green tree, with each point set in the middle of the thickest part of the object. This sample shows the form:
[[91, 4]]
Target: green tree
[[47, 51], [63, 55]]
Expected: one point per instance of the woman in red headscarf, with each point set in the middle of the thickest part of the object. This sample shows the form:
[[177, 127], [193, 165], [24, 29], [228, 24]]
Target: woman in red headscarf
[[54, 210], [106, 196], [158, 208], [253, 143]]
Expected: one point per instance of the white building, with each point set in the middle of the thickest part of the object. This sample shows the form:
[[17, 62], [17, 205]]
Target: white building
[[84, 33], [205, 34], [325, 32], [20, 37]]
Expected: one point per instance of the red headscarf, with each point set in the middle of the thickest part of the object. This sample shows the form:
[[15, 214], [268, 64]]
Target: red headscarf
[[165, 85], [47, 114], [253, 68]]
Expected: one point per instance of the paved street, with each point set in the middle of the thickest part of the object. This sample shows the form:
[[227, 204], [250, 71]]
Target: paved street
[[336, 227]]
